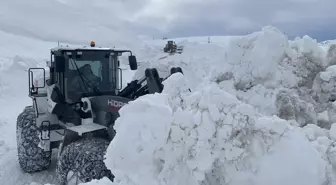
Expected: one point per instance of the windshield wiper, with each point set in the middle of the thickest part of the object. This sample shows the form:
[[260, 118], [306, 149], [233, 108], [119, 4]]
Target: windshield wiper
[[85, 82]]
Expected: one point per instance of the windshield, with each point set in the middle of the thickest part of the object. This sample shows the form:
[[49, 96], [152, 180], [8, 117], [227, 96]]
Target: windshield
[[85, 76]]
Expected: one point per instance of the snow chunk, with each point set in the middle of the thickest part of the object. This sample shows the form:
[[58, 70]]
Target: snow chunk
[[291, 107], [254, 58], [307, 45], [146, 134], [332, 132], [331, 55], [313, 132], [286, 161], [263, 99], [324, 85], [323, 119], [329, 73]]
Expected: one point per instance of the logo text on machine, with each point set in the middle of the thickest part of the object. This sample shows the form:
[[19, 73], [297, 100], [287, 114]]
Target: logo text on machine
[[114, 103]]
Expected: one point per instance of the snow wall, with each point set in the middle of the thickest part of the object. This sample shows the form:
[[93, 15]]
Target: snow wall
[[260, 110]]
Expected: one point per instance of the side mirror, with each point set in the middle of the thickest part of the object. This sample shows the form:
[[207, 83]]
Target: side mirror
[[60, 64], [133, 62]]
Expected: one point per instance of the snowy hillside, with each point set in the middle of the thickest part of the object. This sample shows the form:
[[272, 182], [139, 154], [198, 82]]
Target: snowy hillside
[[72, 21]]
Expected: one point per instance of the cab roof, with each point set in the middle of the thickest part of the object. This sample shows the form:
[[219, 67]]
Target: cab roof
[[62, 49], [92, 47], [67, 48]]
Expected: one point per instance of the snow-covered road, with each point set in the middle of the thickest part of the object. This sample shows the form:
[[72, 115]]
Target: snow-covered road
[[14, 98]]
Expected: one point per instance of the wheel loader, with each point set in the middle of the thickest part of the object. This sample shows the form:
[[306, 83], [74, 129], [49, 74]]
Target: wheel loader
[[172, 48], [74, 109]]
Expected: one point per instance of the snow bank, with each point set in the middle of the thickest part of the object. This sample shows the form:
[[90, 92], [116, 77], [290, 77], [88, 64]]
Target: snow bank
[[207, 137]]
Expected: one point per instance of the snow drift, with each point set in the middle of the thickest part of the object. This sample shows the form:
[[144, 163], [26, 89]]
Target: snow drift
[[253, 116]]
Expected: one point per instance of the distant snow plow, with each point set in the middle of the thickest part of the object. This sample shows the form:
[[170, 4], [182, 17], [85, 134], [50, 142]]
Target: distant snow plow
[[172, 48]]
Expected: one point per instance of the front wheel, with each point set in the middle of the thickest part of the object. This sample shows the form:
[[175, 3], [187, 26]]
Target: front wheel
[[83, 161], [31, 157]]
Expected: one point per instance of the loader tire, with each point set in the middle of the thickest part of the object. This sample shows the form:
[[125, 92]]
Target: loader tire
[[31, 157], [84, 161]]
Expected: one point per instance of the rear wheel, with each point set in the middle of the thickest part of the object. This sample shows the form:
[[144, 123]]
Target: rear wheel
[[83, 161], [31, 157]]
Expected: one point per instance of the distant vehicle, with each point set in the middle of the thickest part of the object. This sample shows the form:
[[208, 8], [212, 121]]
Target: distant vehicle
[[172, 48]]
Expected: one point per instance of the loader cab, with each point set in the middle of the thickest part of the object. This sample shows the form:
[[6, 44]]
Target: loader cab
[[86, 72]]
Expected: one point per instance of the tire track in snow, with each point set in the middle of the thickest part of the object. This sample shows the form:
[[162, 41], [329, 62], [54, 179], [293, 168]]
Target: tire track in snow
[[14, 97], [12, 174]]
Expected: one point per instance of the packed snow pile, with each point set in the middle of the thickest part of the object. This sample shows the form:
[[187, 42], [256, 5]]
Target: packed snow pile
[[259, 112], [210, 137]]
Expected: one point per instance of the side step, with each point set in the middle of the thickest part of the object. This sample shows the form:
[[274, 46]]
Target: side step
[[84, 128]]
